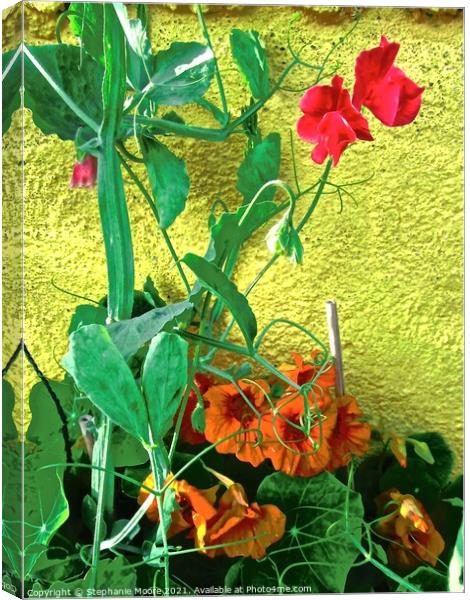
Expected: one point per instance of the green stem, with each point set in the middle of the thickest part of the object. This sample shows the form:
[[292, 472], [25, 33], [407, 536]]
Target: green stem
[[116, 231], [164, 233], [206, 133], [213, 342], [218, 78], [313, 205], [100, 502], [184, 403], [159, 484]]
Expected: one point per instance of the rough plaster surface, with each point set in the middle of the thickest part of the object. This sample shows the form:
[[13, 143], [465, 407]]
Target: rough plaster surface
[[393, 262]]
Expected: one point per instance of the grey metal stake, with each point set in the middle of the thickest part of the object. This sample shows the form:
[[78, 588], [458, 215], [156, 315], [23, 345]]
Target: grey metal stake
[[335, 345]]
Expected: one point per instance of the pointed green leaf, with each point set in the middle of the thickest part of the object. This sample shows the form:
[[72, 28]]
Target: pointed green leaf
[[168, 179], [131, 334], [422, 450], [215, 280], [100, 371], [164, 378], [250, 55], [78, 75], [183, 73], [260, 165]]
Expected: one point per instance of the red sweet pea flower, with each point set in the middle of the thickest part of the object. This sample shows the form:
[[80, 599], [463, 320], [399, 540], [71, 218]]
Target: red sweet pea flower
[[383, 88], [330, 120], [84, 173]]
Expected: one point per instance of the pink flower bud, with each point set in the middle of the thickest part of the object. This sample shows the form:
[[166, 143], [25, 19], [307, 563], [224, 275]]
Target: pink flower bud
[[84, 173]]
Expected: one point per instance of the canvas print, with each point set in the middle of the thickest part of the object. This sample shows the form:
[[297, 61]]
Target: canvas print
[[232, 298]]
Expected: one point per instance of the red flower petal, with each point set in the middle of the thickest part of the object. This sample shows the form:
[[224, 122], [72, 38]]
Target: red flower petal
[[384, 89]]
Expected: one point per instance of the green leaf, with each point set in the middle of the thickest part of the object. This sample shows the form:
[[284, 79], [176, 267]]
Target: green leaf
[[140, 61], [456, 566], [215, 280], [261, 164], [100, 371], [319, 548], [87, 314], [421, 479], [11, 82], [232, 230], [126, 450], [164, 378], [111, 195], [151, 293], [168, 179], [9, 431], [183, 73], [129, 335], [77, 74], [426, 579], [249, 53], [86, 22]]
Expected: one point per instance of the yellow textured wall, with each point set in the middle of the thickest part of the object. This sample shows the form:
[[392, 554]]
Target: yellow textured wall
[[393, 262]]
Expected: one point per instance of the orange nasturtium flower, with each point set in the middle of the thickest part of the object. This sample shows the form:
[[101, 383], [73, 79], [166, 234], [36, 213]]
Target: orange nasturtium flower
[[351, 436], [228, 412], [287, 446], [247, 529], [414, 539], [190, 499], [304, 372]]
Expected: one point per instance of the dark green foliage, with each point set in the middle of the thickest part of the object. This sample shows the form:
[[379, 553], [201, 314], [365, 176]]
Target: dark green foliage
[[318, 549], [421, 479], [426, 579], [77, 75]]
